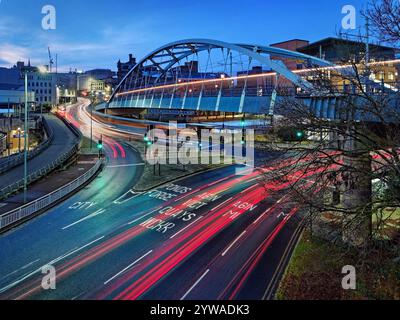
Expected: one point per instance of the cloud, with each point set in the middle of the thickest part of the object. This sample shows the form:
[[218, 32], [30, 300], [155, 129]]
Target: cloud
[[10, 53], [106, 45]]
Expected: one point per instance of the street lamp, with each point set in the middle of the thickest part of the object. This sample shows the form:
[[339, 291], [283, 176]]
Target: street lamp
[[42, 70], [26, 138], [91, 119], [19, 139]]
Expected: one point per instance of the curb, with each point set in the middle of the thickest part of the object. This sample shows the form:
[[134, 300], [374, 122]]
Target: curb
[[52, 205], [283, 265]]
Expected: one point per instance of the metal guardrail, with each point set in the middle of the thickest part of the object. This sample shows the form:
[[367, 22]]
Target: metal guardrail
[[16, 160], [33, 207]]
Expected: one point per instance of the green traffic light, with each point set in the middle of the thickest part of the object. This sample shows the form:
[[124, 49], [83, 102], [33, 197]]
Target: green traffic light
[[99, 146], [300, 134]]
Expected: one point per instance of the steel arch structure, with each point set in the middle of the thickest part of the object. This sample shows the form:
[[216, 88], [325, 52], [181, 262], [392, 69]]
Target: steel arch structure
[[142, 86]]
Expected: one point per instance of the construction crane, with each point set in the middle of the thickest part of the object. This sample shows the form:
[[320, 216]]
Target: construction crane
[[51, 61]]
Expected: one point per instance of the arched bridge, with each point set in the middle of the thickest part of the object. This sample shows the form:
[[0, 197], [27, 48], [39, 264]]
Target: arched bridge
[[209, 75]]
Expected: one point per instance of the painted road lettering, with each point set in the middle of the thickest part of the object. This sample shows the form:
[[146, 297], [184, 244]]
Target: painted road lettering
[[158, 225], [82, 205]]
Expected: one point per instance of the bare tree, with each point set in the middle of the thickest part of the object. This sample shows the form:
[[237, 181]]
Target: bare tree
[[385, 18], [349, 175]]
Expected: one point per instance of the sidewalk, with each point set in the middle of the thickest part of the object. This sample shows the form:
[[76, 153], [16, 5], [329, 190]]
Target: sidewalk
[[63, 141], [50, 183]]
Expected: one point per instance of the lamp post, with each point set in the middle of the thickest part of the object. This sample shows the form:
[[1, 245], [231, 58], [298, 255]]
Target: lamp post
[[26, 138], [91, 121], [19, 140]]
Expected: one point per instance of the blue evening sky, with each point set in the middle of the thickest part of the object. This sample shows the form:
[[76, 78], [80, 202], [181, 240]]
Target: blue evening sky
[[95, 34]]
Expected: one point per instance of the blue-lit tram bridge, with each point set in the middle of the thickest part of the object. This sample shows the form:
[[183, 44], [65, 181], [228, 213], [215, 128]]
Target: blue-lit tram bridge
[[212, 76]]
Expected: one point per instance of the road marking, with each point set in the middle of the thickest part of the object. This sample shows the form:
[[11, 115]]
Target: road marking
[[135, 194], [249, 188], [290, 245], [233, 243], [94, 214], [126, 165], [29, 264], [145, 215], [269, 209], [20, 269], [194, 286], [220, 205], [188, 226], [128, 267], [50, 263]]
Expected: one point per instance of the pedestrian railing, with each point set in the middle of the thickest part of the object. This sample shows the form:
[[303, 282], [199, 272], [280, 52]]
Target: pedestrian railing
[[15, 160], [40, 204]]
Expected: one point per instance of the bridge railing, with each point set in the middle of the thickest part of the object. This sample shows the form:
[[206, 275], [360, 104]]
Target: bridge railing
[[42, 203]]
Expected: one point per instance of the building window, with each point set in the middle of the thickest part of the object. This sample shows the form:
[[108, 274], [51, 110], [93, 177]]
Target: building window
[[391, 76]]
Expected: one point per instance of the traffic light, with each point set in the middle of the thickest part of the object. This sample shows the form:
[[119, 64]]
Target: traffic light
[[300, 134], [100, 144], [242, 122]]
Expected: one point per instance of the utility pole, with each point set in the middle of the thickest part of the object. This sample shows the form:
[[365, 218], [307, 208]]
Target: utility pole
[[367, 41], [26, 138], [91, 126]]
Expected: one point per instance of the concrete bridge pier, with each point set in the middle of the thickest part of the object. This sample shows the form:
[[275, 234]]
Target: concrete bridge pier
[[357, 194]]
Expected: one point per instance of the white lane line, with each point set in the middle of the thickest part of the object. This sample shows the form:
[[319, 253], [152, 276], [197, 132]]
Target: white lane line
[[249, 188], [17, 270], [194, 286], [143, 216], [233, 243], [220, 205], [50, 263], [94, 214], [188, 226], [269, 209], [127, 165], [128, 267], [75, 251], [259, 218], [29, 264]]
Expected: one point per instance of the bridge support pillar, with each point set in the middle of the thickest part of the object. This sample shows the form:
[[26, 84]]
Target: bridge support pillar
[[357, 195]]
